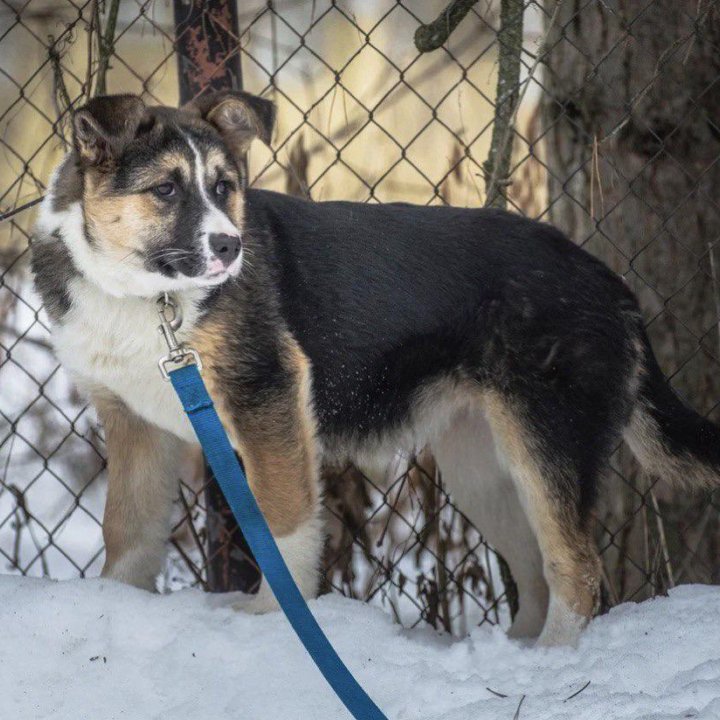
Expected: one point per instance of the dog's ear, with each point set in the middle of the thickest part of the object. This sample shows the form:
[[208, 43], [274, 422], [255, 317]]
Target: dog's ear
[[103, 127], [238, 116]]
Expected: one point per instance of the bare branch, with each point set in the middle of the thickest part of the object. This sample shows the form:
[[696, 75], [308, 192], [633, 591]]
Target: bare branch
[[497, 165], [107, 47], [433, 35]]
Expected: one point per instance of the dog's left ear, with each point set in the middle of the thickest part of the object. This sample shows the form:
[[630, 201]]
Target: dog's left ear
[[238, 116], [105, 126]]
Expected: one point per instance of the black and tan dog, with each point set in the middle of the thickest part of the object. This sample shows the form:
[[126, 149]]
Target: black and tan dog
[[342, 330]]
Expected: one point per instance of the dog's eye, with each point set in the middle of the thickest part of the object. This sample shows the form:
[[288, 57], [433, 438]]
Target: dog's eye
[[222, 187], [164, 189]]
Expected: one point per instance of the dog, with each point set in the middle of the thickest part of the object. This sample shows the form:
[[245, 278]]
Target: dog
[[338, 330]]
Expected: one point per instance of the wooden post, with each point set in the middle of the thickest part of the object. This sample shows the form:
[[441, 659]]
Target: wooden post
[[208, 53]]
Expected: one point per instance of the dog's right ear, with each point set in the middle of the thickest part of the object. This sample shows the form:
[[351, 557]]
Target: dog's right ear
[[103, 127], [238, 116]]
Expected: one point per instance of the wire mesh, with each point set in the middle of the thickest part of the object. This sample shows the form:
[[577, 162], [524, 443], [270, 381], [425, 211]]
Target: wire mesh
[[613, 136]]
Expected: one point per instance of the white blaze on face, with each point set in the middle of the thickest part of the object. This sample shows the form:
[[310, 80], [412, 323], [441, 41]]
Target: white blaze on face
[[214, 222]]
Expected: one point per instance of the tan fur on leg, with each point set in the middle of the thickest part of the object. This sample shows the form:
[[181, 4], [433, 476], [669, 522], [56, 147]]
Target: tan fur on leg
[[143, 469], [570, 561], [279, 450], [473, 474]]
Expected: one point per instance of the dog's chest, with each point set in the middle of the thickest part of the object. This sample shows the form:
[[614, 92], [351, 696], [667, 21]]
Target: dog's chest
[[114, 343]]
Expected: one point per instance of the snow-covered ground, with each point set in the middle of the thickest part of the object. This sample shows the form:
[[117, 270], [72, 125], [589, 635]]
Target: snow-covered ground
[[98, 650]]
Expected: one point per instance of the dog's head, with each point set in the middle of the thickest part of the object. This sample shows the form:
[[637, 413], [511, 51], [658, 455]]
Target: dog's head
[[160, 189]]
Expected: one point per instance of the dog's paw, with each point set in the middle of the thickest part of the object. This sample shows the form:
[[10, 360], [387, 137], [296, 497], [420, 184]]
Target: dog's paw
[[262, 602], [259, 604]]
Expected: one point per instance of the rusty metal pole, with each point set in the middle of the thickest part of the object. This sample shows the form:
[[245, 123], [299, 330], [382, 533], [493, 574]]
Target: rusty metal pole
[[208, 53]]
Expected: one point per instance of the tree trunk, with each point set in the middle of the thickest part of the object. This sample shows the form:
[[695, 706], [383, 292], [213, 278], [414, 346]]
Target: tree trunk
[[631, 122]]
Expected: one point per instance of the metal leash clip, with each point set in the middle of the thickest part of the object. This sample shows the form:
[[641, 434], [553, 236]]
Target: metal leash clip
[[170, 321]]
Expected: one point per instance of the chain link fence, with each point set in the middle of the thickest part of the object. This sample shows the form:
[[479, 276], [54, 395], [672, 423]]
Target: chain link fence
[[601, 117]]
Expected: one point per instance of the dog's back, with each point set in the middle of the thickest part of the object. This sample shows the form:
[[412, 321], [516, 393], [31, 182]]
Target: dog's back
[[396, 295]]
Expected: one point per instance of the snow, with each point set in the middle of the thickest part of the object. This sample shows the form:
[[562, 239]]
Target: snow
[[98, 649]]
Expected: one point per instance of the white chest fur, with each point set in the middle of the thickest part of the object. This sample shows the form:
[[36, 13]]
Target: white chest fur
[[109, 339], [114, 343]]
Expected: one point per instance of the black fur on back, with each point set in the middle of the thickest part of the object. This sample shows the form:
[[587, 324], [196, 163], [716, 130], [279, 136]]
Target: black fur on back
[[384, 299]]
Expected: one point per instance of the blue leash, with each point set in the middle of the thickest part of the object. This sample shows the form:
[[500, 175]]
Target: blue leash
[[230, 476]]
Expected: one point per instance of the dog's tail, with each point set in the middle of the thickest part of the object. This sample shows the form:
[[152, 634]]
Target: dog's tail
[[669, 439]]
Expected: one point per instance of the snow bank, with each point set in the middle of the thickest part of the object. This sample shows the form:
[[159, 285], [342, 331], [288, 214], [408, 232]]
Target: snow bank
[[98, 650]]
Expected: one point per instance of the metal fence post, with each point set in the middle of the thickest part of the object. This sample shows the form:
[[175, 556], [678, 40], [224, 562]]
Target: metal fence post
[[208, 55]]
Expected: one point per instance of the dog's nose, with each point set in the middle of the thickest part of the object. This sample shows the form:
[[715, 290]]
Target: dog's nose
[[225, 247]]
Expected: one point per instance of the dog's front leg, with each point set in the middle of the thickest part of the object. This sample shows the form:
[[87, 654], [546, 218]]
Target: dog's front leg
[[143, 470], [280, 459], [277, 440]]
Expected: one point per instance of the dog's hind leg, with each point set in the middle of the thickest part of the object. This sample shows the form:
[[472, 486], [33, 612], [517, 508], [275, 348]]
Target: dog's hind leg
[[547, 476], [485, 493]]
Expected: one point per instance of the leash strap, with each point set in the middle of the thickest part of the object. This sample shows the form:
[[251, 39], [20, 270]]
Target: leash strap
[[221, 457]]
